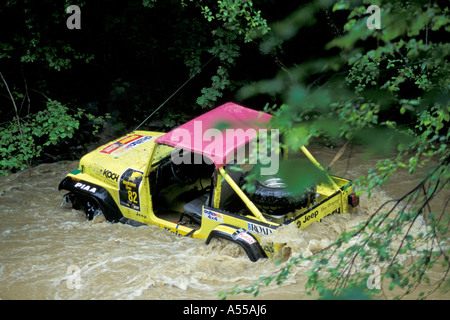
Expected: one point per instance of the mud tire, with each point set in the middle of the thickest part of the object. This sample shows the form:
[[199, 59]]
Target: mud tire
[[92, 209], [279, 201]]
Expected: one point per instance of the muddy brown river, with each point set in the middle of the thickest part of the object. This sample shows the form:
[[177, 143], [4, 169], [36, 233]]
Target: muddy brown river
[[52, 252]]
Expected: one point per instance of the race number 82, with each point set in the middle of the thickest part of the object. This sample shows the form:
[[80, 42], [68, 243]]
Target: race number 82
[[129, 183], [132, 196]]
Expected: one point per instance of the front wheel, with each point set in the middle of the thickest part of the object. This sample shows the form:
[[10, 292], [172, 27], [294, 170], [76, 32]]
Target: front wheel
[[92, 209], [89, 206]]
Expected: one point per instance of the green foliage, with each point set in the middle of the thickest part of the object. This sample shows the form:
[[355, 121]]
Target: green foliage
[[385, 241], [236, 23], [24, 141], [149, 3], [236, 15], [173, 119], [34, 46], [388, 91], [385, 89], [365, 100]]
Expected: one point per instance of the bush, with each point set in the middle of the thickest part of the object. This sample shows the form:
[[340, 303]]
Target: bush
[[23, 140]]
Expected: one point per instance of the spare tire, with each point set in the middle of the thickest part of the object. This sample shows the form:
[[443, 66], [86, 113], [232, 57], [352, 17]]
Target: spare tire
[[271, 196]]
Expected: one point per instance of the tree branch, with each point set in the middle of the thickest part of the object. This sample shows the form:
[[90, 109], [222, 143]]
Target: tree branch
[[17, 112]]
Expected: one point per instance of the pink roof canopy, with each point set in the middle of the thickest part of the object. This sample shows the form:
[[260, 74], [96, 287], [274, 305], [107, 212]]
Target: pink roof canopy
[[218, 133]]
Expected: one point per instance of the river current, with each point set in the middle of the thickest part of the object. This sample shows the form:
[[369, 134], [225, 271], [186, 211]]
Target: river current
[[52, 252]]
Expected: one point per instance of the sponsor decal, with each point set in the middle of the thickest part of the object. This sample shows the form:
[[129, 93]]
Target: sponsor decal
[[125, 144], [307, 217], [269, 247], [313, 216], [110, 175], [137, 142], [172, 231], [242, 234], [85, 187], [334, 202], [211, 215], [245, 236], [258, 229], [129, 184]]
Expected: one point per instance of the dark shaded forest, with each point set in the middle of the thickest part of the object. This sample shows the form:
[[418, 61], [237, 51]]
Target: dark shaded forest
[[127, 58]]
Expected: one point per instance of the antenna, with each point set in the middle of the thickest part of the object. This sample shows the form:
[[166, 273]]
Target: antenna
[[181, 87]]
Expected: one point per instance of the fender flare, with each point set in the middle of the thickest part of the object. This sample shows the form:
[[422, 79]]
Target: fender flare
[[99, 194], [240, 236]]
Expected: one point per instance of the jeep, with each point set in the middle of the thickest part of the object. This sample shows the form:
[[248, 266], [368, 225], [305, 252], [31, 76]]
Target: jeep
[[190, 182]]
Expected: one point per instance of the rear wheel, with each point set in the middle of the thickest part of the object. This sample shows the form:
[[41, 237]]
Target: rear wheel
[[227, 248], [240, 237]]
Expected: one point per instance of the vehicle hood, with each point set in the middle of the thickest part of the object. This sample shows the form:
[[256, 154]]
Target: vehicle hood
[[109, 161]]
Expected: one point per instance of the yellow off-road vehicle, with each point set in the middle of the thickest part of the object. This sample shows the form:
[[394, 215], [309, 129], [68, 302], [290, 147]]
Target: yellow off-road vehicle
[[188, 182]]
